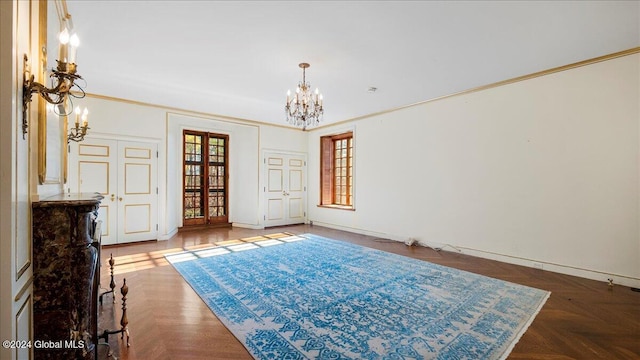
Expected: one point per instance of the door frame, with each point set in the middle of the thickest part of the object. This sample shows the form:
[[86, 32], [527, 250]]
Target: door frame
[[208, 219], [265, 176], [160, 220]]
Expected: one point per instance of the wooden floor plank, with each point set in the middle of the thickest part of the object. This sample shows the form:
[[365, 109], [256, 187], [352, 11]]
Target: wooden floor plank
[[583, 319]]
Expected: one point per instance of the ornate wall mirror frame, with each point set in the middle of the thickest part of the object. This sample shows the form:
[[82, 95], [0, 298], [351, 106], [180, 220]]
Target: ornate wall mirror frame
[[52, 128]]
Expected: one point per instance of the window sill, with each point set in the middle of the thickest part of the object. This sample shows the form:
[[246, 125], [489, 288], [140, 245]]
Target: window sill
[[341, 207]]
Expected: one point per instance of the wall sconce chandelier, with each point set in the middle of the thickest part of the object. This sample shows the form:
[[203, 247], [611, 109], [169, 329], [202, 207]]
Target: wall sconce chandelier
[[63, 78], [305, 107]]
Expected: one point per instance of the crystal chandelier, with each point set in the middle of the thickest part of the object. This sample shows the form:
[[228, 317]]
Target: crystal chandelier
[[304, 108]]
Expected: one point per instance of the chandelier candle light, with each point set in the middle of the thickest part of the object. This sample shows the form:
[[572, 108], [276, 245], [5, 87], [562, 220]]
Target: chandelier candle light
[[305, 107]]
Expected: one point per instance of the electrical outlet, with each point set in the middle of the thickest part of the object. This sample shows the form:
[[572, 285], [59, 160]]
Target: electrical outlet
[[537, 266]]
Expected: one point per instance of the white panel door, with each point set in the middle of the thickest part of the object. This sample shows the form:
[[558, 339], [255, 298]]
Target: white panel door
[[285, 189], [137, 188], [124, 173], [93, 167], [295, 193]]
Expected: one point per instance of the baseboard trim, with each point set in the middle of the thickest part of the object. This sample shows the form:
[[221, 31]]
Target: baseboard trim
[[168, 235], [355, 230], [248, 226], [603, 276]]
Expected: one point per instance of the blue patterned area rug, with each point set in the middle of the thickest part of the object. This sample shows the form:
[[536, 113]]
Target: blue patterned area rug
[[309, 297]]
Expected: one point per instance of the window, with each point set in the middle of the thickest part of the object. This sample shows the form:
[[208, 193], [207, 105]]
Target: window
[[205, 178], [336, 173]]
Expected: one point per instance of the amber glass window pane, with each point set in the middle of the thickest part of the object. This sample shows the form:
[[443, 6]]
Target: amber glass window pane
[[217, 163], [336, 169], [193, 177], [205, 183], [342, 171]]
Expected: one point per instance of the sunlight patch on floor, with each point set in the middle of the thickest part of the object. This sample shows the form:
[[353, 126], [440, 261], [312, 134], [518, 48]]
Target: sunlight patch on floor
[[148, 260]]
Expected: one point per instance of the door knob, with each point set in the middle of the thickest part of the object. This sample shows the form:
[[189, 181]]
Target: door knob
[[113, 197], [120, 198]]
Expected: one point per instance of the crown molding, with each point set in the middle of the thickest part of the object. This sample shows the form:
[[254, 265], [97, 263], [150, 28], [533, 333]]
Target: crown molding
[[595, 60]]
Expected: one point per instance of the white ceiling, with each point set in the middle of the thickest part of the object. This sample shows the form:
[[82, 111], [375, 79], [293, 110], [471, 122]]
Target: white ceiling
[[238, 58]]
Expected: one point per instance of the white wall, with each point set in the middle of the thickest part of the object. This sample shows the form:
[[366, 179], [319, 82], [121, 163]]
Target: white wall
[[243, 166], [278, 139], [543, 170], [247, 141], [121, 119], [282, 138]]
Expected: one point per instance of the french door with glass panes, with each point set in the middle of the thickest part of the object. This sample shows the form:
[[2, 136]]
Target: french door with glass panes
[[205, 180]]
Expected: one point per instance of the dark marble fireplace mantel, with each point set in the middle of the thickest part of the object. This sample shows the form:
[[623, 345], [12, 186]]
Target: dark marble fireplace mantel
[[65, 265]]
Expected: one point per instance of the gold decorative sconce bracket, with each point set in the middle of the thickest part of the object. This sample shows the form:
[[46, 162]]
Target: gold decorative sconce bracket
[[64, 76], [77, 133]]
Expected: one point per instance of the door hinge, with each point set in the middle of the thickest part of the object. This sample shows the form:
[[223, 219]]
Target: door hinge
[[157, 154], [157, 192], [304, 214], [264, 217], [156, 227], [264, 161], [265, 189]]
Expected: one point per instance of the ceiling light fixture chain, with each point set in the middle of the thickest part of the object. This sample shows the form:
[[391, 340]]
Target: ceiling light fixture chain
[[305, 107]]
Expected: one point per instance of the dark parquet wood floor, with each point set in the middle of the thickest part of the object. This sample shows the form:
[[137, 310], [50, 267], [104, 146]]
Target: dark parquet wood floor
[[583, 319]]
